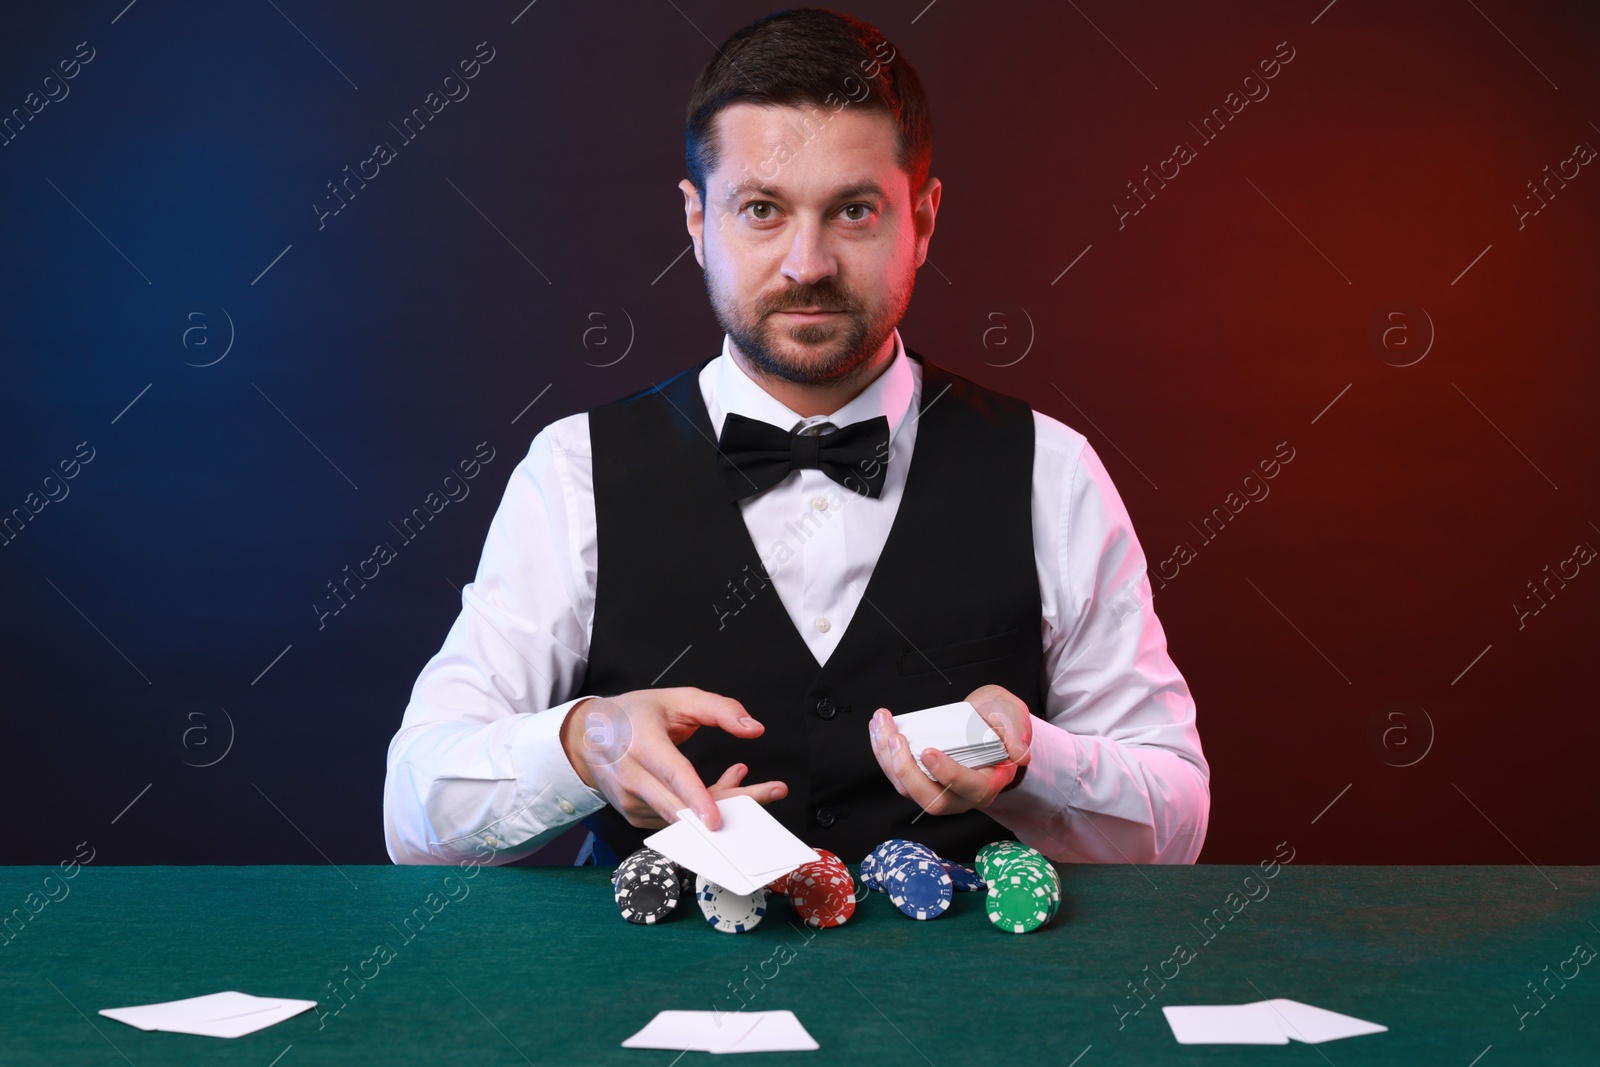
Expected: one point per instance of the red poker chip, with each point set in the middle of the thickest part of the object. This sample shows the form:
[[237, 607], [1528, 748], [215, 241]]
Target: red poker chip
[[823, 893], [781, 885]]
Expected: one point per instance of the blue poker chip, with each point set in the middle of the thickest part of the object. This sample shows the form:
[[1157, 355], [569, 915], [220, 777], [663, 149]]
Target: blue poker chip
[[869, 870], [875, 866], [964, 879], [898, 850], [921, 889]]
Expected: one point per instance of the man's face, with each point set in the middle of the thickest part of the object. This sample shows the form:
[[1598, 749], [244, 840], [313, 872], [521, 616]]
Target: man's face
[[809, 237]]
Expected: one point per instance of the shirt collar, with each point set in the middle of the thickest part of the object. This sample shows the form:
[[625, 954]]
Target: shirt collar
[[890, 394]]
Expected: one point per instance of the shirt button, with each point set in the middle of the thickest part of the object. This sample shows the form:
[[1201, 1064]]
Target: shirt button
[[566, 806], [823, 624], [491, 840], [820, 503], [825, 817]]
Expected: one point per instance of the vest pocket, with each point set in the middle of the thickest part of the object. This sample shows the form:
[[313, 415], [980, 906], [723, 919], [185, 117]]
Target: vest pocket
[[960, 654]]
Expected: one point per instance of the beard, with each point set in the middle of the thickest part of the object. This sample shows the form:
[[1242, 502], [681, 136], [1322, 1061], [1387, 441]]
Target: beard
[[829, 352]]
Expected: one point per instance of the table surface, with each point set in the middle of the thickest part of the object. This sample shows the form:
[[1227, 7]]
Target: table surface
[[534, 965]]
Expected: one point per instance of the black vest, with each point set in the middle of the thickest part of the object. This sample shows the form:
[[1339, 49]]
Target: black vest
[[682, 600]]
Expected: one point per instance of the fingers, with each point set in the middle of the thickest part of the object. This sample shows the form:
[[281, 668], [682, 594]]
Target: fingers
[[762, 793], [883, 733], [688, 708], [730, 778], [893, 751], [677, 774], [1014, 734], [728, 786], [655, 781], [966, 787], [929, 795], [1009, 717], [649, 804], [652, 780]]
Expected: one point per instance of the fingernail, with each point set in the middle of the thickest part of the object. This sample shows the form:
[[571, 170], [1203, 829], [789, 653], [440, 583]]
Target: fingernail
[[748, 721]]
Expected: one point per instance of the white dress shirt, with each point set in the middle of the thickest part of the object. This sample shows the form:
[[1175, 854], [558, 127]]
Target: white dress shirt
[[1116, 772]]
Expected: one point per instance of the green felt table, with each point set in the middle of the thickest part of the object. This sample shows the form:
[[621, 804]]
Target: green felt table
[[534, 965]]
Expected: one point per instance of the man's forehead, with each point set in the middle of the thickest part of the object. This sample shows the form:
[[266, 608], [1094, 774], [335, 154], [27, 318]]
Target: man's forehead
[[782, 151]]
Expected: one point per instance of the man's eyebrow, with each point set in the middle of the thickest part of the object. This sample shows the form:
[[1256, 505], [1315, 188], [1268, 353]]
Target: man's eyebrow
[[755, 188]]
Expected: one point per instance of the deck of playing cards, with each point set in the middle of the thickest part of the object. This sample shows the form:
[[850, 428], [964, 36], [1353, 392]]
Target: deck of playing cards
[[954, 729]]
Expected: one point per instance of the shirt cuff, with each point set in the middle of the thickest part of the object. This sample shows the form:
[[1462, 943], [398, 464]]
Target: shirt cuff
[[544, 773], [551, 794], [1051, 784]]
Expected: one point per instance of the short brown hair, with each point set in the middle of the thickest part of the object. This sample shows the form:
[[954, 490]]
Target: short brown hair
[[809, 56]]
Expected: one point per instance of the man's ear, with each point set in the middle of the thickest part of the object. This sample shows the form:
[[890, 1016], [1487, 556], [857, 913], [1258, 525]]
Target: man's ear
[[694, 217], [925, 206]]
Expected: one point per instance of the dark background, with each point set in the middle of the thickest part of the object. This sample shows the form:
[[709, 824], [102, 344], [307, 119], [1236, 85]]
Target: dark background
[[1364, 687]]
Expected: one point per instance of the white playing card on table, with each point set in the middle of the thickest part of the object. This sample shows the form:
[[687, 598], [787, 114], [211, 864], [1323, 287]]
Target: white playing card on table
[[1225, 1024], [724, 1032], [227, 1014], [1263, 1022], [1311, 1024]]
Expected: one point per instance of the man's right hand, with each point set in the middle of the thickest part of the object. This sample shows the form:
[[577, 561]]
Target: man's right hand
[[627, 748]]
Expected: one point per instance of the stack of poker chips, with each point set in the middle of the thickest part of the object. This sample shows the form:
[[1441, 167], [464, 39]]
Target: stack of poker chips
[[725, 910], [1024, 888], [920, 884], [647, 886], [822, 893]]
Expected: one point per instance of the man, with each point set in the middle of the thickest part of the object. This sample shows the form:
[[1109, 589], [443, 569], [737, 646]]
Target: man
[[736, 576]]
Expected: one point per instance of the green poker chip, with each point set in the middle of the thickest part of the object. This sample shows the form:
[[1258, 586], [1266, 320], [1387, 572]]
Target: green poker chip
[[1022, 898]]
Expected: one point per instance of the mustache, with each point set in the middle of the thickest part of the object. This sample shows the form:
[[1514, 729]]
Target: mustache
[[827, 300]]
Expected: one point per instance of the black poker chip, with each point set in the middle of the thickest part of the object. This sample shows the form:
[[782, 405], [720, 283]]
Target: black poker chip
[[647, 887]]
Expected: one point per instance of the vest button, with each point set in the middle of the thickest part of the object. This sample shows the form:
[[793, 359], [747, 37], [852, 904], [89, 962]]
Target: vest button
[[825, 817], [826, 708]]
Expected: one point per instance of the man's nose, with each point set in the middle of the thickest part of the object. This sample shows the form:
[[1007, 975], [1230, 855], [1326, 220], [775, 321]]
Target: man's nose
[[809, 259]]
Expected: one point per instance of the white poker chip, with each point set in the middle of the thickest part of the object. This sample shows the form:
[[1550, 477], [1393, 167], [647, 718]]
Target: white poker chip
[[725, 910]]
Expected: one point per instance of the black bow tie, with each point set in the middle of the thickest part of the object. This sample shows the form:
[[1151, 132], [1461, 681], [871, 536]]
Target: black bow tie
[[756, 455]]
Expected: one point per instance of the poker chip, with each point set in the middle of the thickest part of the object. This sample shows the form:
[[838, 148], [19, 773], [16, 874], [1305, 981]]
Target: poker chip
[[869, 870], [890, 854], [725, 910], [1021, 899], [1022, 887], [996, 855], [647, 887], [822, 893], [964, 879], [646, 899], [920, 888]]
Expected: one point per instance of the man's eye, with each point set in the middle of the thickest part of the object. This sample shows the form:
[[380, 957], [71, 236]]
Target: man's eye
[[865, 209], [755, 206]]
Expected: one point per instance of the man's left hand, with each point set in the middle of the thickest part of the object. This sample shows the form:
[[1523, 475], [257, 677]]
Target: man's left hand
[[954, 788]]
